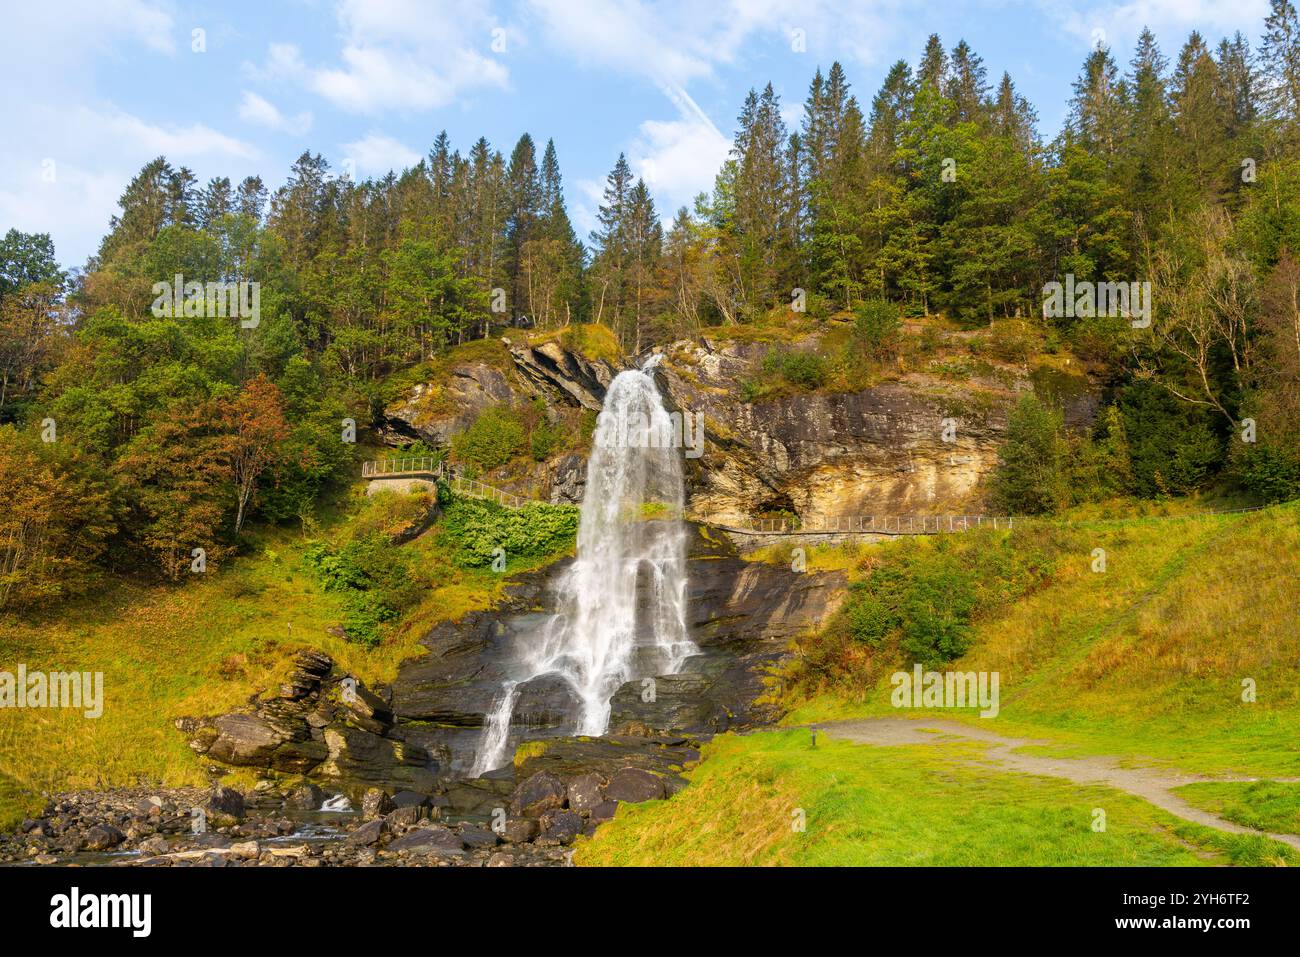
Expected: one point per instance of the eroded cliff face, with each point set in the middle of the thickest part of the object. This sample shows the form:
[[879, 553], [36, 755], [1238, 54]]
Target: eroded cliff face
[[919, 440], [570, 384], [433, 412], [915, 443]]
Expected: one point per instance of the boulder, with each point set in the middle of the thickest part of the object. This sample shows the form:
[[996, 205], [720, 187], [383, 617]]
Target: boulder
[[478, 837], [436, 841], [367, 834], [305, 797], [225, 806], [152, 846], [403, 817], [547, 701], [634, 785], [520, 830], [375, 803], [586, 791], [102, 837], [559, 827], [252, 740], [542, 792]]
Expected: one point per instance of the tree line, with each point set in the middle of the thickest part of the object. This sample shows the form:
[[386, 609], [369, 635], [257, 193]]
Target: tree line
[[938, 197]]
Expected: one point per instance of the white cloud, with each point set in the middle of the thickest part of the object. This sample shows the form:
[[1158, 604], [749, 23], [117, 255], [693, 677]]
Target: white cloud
[[260, 112], [375, 154], [134, 136], [678, 158], [76, 205], [1118, 22], [403, 54], [63, 37]]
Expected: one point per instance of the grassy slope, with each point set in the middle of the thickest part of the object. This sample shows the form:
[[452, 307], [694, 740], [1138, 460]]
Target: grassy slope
[[1148, 658], [896, 806], [1144, 661], [195, 649]]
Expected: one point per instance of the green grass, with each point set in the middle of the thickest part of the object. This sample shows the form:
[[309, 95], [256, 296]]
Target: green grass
[[199, 648], [910, 805], [1263, 805], [1147, 659]]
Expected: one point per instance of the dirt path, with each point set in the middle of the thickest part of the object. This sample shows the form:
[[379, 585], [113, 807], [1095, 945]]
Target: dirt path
[[1154, 785]]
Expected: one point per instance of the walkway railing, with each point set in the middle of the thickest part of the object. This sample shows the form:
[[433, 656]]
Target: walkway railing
[[868, 524], [391, 468], [437, 469]]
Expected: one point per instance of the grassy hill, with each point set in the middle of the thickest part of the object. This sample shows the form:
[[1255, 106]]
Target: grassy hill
[[1143, 662]]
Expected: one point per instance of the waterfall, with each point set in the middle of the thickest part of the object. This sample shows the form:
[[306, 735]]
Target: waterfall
[[620, 609]]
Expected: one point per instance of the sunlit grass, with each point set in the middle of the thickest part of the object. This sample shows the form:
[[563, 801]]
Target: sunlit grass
[[199, 648], [914, 806], [1263, 805], [1148, 661]]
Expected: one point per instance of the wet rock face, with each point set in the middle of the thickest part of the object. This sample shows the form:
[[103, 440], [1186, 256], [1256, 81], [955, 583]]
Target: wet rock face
[[742, 616], [320, 722], [432, 412]]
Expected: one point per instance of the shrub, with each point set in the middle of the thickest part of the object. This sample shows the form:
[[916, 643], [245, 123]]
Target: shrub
[[1271, 472], [375, 577], [474, 529], [782, 370], [493, 439], [1012, 340], [925, 595], [876, 328], [1173, 447], [1030, 474], [592, 341], [804, 369]]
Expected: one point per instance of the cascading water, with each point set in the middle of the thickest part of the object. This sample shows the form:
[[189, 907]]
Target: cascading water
[[621, 604]]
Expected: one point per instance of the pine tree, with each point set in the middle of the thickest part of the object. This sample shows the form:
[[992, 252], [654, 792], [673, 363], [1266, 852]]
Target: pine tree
[[1149, 174], [1098, 107], [1201, 120], [1279, 57], [762, 191], [610, 241], [525, 208], [215, 201], [933, 70], [967, 85]]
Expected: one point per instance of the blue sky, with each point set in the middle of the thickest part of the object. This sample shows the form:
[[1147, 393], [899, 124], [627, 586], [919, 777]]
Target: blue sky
[[96, 88]]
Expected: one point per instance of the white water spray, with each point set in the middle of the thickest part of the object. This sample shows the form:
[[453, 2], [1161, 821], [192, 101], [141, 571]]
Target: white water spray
[[621, 604]]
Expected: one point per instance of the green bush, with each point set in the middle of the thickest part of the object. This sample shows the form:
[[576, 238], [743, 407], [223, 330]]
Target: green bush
[[1030, 477], [1271, 472], [876, 328], [375, 578], [493, 439], [783, 370], [925, 595], [1012, 340], [1173, 446], [474, 529], [1100, 465]]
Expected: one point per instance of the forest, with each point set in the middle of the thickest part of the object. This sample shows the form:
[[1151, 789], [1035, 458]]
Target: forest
[[126, 437]]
